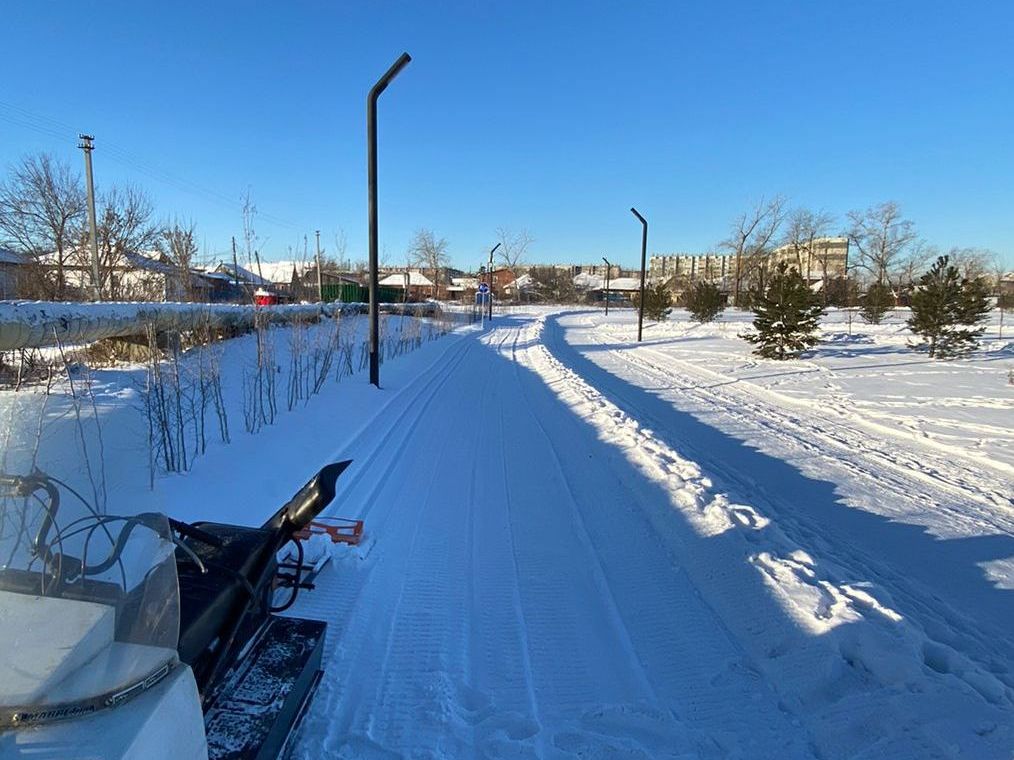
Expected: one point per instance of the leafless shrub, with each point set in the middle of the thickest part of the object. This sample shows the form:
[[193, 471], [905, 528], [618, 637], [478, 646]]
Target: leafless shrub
[[260, 397], [82, 400], [167, 395]]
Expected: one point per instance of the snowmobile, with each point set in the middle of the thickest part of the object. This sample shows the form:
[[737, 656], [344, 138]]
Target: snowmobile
[[142, 636]]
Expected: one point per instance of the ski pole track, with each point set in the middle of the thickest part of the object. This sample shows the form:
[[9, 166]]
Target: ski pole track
[[981, 640]]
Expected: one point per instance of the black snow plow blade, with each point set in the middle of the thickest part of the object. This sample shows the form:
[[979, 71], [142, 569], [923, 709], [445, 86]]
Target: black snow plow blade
[[262, 702]]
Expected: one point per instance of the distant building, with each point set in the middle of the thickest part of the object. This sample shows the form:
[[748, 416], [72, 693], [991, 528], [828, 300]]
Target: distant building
[[824, 258], [1007, 284], [420, 287], [11, 268], [718, 268]]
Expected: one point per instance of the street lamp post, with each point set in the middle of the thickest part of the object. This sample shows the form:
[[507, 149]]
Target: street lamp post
[[489, 298], [644, 256], [609, 268], [371, 165]]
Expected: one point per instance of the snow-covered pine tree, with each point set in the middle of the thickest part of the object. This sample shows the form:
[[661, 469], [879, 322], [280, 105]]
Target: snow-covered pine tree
[[879, 300], [787, 315], [657, 302], [947, 310], [704, 302]]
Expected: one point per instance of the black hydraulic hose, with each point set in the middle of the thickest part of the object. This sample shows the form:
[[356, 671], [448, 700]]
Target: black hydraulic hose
[[295, 583], [147, 519]]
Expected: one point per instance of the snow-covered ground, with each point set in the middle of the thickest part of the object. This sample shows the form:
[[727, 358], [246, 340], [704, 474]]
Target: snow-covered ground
[[578, 547]]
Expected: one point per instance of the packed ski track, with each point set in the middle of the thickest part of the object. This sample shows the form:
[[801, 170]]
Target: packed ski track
[[580, 549]]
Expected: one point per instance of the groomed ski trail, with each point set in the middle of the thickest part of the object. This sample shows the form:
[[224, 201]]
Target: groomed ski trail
[[543, 578]]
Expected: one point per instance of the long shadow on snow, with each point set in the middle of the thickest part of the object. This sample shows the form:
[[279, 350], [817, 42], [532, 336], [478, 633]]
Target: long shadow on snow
[[816, 518]]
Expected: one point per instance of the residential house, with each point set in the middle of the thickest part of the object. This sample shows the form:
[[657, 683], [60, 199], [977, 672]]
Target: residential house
[[12, 267], [420, 287]]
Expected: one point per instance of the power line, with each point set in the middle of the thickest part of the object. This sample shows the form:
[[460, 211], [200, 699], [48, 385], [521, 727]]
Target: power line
[[60, 130]]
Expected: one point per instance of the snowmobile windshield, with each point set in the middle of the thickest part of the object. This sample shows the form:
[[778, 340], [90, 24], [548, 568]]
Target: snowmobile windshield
[[89, 600]]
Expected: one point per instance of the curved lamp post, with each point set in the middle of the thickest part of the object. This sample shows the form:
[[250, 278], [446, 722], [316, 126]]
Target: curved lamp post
[[490, 296], [644, 253], [371, 164], [609, 268]]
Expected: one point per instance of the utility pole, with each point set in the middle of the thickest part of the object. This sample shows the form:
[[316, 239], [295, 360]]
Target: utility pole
[[489, 297], [87, 146], [320, 277], [644, 253], [609, 268], [371, 181]]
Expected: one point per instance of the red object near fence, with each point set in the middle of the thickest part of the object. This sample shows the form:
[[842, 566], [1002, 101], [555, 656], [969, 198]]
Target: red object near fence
[[265, 298]]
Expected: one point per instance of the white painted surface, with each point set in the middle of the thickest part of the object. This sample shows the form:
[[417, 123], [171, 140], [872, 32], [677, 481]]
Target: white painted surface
[[45, 641], [165, 723]]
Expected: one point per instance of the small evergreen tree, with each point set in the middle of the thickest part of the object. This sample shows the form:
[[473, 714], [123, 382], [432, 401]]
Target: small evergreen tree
[[947, 310], [704, 302], [879, 300], [787, 315], [657, 302]]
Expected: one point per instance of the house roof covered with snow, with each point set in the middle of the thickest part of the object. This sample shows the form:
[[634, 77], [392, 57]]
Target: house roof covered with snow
[[280, 272], [241, 274], [588, 281], [522, 282], [414, 279]]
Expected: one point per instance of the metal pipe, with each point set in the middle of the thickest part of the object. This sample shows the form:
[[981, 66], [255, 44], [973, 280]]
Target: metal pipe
[[371, 168], [28, 324], [644, 253]]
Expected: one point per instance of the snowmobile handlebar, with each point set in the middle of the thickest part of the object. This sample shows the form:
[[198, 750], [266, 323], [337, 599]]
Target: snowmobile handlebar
[[192, 531]]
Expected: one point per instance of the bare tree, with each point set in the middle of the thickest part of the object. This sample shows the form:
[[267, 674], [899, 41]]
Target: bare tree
[[341, 245], [802, 227], [910, 265], [179, 245], [751, 238], [428, 252], [881, 237], [553, 285], [974, 262], [125, 227], [42, 205], [513, 249]]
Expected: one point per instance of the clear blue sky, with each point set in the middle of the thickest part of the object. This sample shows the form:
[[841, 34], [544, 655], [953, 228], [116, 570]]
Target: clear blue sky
[[552, 116]]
